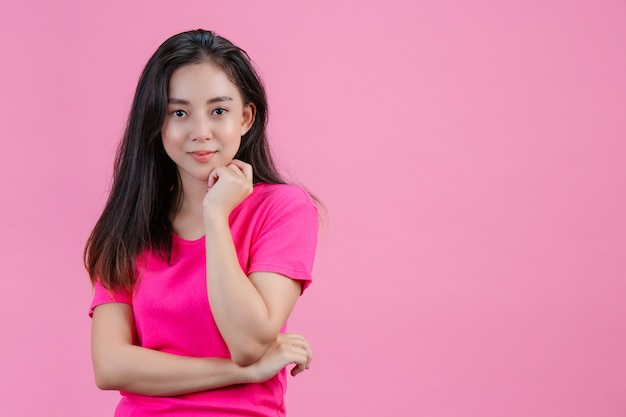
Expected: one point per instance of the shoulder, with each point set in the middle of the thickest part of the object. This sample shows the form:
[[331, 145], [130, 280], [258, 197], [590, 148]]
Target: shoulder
[[277, 201], [282, 196]]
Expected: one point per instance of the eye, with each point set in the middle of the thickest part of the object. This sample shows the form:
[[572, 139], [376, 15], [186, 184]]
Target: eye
[[219, 111], [179, 113]]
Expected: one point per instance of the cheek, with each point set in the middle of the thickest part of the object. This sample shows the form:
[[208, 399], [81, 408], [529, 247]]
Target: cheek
[[172, 134], [230, 130], [232, 135], [169, 130], [233, 146], [170, 144]]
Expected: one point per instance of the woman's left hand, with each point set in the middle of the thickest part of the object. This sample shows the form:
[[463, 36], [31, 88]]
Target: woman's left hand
[[288, 348], [228, 186]]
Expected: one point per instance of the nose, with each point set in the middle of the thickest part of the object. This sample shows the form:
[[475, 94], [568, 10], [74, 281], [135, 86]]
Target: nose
[[201, 129]]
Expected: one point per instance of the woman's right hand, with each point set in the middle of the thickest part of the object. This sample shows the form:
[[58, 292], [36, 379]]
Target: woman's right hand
[[288, 348], [228, 186]]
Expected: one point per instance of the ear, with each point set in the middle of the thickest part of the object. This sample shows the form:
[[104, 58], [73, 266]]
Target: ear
[[249, 114]]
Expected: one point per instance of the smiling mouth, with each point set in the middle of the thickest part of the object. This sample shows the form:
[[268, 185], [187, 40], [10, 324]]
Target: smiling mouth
[[202, 156]]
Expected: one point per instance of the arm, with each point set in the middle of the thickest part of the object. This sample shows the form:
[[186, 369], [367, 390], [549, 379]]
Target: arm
[[249, 311], [120, 365]]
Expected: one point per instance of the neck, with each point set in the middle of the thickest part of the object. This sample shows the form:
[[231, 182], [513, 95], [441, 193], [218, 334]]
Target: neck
[[193, 194], [188, 222]]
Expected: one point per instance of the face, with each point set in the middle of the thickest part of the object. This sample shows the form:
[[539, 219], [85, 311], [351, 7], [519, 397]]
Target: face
[[205, 120]]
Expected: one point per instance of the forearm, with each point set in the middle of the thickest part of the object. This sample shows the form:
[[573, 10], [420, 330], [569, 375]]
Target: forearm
[[148, 372], [239, 310]]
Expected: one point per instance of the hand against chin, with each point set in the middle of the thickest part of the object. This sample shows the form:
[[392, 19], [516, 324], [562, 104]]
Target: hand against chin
[[227, 187]]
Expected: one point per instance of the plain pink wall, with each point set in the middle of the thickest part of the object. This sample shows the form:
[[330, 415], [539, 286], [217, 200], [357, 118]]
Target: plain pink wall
[[472, 157]]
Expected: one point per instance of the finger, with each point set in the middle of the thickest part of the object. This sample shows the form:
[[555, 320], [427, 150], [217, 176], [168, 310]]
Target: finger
[[248, 172], [235, 170], [213, 177], [294, 337], [243, 166], [296, 370], [299, 368], [309, 359], [300, 357], [303, 344], [298, 340], [309, 354]]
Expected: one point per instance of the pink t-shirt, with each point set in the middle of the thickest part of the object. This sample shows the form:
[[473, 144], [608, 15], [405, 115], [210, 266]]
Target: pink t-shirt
[[274, 230]]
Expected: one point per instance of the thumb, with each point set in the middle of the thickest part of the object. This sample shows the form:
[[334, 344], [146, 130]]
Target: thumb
[[297, 369]]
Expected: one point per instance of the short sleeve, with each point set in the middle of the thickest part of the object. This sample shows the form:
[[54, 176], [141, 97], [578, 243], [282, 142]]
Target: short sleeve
[[287, 239], [103, 296]]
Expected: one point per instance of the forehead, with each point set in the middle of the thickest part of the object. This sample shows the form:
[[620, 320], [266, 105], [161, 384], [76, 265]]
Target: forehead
[[201, 81]]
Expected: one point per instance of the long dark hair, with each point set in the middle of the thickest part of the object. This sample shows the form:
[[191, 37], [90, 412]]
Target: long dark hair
[[146, 191]]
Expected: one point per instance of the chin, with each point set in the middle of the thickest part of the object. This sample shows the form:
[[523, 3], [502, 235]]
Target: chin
[[194, 176]]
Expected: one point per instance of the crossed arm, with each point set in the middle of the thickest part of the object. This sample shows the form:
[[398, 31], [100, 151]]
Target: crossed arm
[[249, 312], [121, 365]]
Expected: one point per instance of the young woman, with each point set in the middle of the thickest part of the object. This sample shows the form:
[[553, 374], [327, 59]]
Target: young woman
[[202, 249]]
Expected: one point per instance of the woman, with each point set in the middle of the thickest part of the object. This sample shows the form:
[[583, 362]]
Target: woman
[[202, 250]]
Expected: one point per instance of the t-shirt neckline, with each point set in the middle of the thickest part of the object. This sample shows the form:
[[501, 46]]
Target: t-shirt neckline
[[187, 241]]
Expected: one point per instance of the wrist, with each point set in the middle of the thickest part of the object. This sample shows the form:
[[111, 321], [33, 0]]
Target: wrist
[[214, 216], [248, 373]]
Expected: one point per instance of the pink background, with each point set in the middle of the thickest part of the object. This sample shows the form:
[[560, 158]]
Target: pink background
[[471, 156]]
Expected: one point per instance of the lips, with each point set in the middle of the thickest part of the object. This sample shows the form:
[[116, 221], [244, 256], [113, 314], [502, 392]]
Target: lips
[[202, 156]]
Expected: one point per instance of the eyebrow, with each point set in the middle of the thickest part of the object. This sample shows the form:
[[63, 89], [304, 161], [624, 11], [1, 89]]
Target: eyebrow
[[210, 101]]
